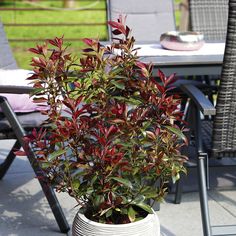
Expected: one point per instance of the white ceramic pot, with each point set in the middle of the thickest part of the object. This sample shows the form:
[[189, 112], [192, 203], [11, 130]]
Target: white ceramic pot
[[149, 226]]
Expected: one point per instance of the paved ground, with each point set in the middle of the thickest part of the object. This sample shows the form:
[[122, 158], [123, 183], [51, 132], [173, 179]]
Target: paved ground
[[24, 210]]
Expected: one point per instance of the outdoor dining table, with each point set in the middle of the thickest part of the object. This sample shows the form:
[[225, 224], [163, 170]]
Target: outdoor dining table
[[205, 61]]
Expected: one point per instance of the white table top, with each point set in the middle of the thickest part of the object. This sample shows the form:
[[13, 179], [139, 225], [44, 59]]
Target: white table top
[[157, 50], [205, 61]]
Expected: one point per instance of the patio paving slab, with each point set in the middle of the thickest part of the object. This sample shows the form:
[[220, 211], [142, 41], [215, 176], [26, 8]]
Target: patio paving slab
[[185, 219]]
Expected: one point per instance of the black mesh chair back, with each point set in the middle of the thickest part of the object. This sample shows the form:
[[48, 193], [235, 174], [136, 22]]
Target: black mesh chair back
[[209, 17], [14, 125], [147, 19]]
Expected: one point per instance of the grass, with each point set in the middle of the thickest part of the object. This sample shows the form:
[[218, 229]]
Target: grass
[[20, 49]]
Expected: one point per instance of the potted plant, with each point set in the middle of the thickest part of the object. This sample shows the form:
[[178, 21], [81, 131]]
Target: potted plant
[[112, 139]]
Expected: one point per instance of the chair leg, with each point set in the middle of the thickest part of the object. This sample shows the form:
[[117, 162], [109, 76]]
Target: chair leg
[[55, 207], [4, 166], [48, 191], [178, 192], [203, 195]]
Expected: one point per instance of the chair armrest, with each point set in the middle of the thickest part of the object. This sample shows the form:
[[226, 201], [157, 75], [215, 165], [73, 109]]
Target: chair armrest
[[200, 100], [15, 89]]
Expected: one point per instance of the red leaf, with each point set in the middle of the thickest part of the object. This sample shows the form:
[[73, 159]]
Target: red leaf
[[88, 50], [127, 30], [162, 76], [111, 130], [160, 88], [36, 60], [116, 32], [34, 50], [52, 42], [40, 100], [32, 77], [77, 84], [20, 153], [88, 41], [115, 24], [57, 42], [118, 26], [170, 80], [141, 65]]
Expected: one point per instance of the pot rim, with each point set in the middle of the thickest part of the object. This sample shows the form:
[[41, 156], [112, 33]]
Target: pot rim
[[94, 223]]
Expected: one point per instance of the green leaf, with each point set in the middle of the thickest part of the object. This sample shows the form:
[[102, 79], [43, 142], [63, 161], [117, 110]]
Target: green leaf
[[120, 98], [98, 200], [89, 190], [75, 184], [144, 206], [149, 192], [176, 131], [131, 214], [144, 133], [45, 164], [116, 70], [37, 91], [175, 178], [139, 198], [124, 211], [139, 201], [120, 77], [135, 101], [147, 144], [136, 171], [117, 209], [123, 181], [146, 124], [118, 84], [78, 172], [109, 213], [94, 179], [105, 211], [56, 154]]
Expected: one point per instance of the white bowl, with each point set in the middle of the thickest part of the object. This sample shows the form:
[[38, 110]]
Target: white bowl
[[182, 41]]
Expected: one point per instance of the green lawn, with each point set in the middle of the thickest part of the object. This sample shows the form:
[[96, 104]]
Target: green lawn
[[20, 49]]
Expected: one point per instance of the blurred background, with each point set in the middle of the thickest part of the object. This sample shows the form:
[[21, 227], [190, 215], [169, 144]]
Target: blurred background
[[29, 22]]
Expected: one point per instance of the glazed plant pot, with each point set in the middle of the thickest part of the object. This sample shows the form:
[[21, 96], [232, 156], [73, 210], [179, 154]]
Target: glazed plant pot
[[82, 226]]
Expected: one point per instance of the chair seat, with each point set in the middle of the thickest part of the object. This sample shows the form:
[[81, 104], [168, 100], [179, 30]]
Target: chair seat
[[27, 120]]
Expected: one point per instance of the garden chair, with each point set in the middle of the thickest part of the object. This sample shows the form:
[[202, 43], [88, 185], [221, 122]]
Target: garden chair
[[215, 139], [209, 17], [148, 20], [13, 125]]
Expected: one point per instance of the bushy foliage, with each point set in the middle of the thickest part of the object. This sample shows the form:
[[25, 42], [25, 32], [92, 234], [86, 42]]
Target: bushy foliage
[[111, 140]]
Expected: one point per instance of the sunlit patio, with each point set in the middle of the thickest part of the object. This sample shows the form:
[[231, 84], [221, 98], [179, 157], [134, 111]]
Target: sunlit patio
[[25, 211]]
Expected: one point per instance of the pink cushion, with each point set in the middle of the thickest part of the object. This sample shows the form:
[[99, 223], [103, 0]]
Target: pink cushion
[[19, 102]]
